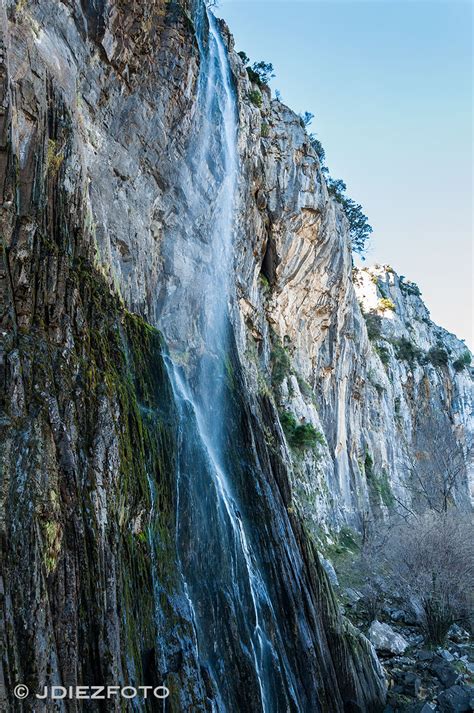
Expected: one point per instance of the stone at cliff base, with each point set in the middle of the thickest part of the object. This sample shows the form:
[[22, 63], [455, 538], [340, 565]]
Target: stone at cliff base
[[445, 672], [457, 699], [352, 596], [384, 638], [403, 616], [412, 685], [457, 634], [330, 571]]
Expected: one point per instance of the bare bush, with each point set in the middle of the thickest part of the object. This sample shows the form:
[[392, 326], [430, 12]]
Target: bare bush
[[438, 464], [427, 563], [432, 559]]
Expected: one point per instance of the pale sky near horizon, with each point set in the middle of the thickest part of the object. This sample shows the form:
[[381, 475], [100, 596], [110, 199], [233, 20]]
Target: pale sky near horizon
[[390, 84]]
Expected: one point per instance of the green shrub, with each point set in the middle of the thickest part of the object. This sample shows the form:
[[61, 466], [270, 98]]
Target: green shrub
[[54, 158], [359, 227], [409, 288], [347, 543], [305, 388], [383, 353], [381, 486], [265, 130], [404, 349], [260, 73], [300, 435], [368, 464], [385, 303], [438, 356], [374, 326], [256, 98], [281, 365], [318, 148], [306, 119], [463, 361]]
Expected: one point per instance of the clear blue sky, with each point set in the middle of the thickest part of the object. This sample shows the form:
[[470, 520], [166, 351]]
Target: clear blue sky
[[390, 84]]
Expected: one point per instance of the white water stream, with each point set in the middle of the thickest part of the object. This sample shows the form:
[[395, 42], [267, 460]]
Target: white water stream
[[220, 575]]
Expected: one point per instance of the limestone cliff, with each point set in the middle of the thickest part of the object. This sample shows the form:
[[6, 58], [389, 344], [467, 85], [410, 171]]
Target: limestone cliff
[[356, 352], [104, 231], [362, 361]]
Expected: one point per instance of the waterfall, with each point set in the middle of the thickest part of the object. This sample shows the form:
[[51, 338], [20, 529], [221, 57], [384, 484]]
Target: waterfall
[[222, 585]]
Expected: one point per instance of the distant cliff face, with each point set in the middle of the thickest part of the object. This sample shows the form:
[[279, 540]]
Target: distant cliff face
[[335, 379], [354, 351]]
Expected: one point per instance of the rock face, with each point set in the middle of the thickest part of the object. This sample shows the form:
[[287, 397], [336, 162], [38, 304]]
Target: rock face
[[362, 361], [102, 224]]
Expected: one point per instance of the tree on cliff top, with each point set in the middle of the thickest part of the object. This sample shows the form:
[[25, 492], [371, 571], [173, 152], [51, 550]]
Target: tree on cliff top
[[359, 227], [259, 73]]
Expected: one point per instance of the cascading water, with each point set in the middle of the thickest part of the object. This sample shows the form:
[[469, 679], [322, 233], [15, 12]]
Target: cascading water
[[228, 602]]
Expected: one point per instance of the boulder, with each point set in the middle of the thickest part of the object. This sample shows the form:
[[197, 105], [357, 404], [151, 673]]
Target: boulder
[[422, 707], [458, 635], [352, 596], [470, 667], [401, 615], [427, 708], [419, 707], [414, 639], [445, 672], [384, 638], [412, 685], [330, 571], [457, 699]]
